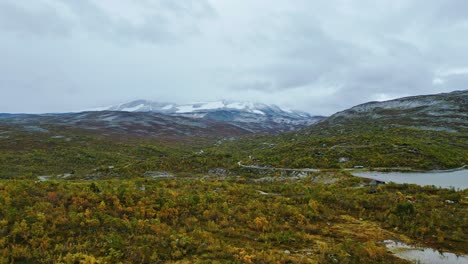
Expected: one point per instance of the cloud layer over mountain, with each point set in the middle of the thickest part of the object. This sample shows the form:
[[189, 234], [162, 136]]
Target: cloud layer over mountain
[[317, 56]]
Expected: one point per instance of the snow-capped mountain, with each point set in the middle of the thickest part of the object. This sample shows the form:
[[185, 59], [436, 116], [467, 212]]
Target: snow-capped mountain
[[255, 117], [171, 108]]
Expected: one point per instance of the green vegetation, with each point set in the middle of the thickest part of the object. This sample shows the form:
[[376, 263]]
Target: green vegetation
[[98, 207], [369, 146], [28, 154], [190, 220]]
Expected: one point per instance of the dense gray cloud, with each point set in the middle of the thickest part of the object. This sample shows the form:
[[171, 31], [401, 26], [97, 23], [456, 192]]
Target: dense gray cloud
[[40, 20], [153, 21], [319, 56]]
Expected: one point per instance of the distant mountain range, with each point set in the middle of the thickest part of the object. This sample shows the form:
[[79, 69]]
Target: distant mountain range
[[201, 108], [251, 117], [446, 111], [144, 118]]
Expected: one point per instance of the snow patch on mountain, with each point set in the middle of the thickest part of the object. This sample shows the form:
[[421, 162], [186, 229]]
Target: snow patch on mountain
[[96, 109], [258, 112], [189, 108], [133, 109]]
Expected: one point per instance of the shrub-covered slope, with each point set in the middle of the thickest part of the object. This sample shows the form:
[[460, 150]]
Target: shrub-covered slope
[[422, 132]]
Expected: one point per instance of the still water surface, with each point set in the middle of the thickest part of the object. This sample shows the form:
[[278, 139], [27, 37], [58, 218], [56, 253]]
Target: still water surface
[[424, 255], [444, 179]]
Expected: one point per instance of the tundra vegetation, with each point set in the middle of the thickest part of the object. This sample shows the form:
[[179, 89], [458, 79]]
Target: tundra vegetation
[[96, 203], [191, 219]]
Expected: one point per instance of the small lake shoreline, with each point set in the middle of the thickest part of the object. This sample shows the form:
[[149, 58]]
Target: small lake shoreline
[[421, 254], [451, 179], [404, 170]]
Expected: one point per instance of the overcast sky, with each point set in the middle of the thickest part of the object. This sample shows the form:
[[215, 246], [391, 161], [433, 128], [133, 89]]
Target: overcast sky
[[319, 56]]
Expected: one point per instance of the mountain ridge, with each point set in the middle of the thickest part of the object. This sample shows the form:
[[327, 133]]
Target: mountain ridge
[[442, 111]]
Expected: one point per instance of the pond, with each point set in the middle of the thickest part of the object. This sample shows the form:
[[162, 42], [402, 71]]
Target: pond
[[445, 179], [423, 255]]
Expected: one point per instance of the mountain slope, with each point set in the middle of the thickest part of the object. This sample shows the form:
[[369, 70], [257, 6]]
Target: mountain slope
[[445, 111], [421, 132], [126, 124]]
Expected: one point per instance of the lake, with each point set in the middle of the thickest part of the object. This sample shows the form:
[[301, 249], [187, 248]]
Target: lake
[[444, 179]]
